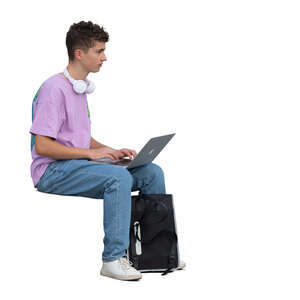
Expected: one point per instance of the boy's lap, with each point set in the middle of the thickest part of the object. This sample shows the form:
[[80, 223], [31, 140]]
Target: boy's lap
[[84, 166], [76, 175]]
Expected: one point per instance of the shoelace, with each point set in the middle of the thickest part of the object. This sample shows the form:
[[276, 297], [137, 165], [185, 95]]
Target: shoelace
[[125, 263]]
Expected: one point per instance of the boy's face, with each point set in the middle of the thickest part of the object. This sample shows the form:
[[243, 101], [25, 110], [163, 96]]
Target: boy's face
[[94, 58]]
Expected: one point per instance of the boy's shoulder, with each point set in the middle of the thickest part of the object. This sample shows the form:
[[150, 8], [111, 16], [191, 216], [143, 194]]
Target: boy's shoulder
[[52, 89], [55, 81]]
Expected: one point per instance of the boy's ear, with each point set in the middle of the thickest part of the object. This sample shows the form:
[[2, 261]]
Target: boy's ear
[[78, 53]]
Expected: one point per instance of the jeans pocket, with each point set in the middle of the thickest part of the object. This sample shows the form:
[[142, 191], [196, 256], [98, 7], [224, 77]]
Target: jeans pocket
[[43, 180], [50, 176]]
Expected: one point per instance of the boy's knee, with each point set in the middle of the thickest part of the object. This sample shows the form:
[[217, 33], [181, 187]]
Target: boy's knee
[[126, 177], [122, 177], [155, 170]]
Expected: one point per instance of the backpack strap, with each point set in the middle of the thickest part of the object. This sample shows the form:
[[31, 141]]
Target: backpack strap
[[173, 258], [32, 114]]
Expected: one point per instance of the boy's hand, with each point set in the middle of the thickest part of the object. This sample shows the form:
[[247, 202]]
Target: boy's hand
[[111, 153], [102, 152], [126, 152]]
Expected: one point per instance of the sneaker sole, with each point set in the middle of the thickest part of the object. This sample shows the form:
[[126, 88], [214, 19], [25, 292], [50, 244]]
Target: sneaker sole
[[120, 277]]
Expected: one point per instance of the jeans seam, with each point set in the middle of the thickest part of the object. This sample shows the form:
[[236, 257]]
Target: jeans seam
[[117, 206]]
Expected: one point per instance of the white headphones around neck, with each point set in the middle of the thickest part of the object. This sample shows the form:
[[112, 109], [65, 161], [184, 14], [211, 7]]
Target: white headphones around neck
[[80, 86]]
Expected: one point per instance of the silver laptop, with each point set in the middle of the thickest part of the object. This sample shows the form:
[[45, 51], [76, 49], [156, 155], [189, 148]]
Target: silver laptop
[[145, 156]]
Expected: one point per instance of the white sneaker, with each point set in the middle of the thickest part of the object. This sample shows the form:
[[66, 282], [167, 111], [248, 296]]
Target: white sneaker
[[181, 265], [120, 269]]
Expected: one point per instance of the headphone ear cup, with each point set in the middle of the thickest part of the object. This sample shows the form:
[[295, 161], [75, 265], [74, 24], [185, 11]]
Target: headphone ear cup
[[91, 87], [80, 86]]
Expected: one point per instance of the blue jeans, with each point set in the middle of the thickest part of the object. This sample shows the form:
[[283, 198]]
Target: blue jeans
[[113, 184]]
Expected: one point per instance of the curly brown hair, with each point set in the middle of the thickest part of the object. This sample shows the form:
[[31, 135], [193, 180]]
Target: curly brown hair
[[83, 35]]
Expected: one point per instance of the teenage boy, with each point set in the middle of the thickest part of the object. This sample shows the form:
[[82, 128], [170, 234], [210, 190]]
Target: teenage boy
[[63, 149]]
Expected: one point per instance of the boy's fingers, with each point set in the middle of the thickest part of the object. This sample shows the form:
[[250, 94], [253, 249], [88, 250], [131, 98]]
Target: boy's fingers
[[113, 156], [127, 153]]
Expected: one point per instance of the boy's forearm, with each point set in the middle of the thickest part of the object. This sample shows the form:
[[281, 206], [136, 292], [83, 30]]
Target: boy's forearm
[[95, 144], [46, 146]]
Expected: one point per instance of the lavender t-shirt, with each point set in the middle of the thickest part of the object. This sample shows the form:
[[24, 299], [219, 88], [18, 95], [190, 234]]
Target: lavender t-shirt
[[62, 114]]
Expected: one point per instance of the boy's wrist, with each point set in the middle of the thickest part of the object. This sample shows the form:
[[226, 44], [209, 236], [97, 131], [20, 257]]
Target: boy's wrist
[[87, 153]]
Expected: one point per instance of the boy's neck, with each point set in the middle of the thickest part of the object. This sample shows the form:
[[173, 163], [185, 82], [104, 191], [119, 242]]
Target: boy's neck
[[77, 72]]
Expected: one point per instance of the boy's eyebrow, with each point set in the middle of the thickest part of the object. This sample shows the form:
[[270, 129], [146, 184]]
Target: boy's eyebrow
[[100, 49]]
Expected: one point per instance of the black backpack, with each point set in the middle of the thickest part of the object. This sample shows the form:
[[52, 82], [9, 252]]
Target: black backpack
[[153, 238]]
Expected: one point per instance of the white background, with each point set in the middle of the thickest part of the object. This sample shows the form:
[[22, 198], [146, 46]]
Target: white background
[[223, 75]]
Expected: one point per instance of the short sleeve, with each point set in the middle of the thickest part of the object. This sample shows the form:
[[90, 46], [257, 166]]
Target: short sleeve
[[47, 113]]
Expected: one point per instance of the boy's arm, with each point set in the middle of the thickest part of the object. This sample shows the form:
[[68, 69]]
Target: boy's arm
[[47, 146]]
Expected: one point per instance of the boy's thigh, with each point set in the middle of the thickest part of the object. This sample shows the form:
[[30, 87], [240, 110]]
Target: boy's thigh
[[81, 177]]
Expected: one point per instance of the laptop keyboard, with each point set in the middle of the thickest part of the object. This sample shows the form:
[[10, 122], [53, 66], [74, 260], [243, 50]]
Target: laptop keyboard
[[121, 162]]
